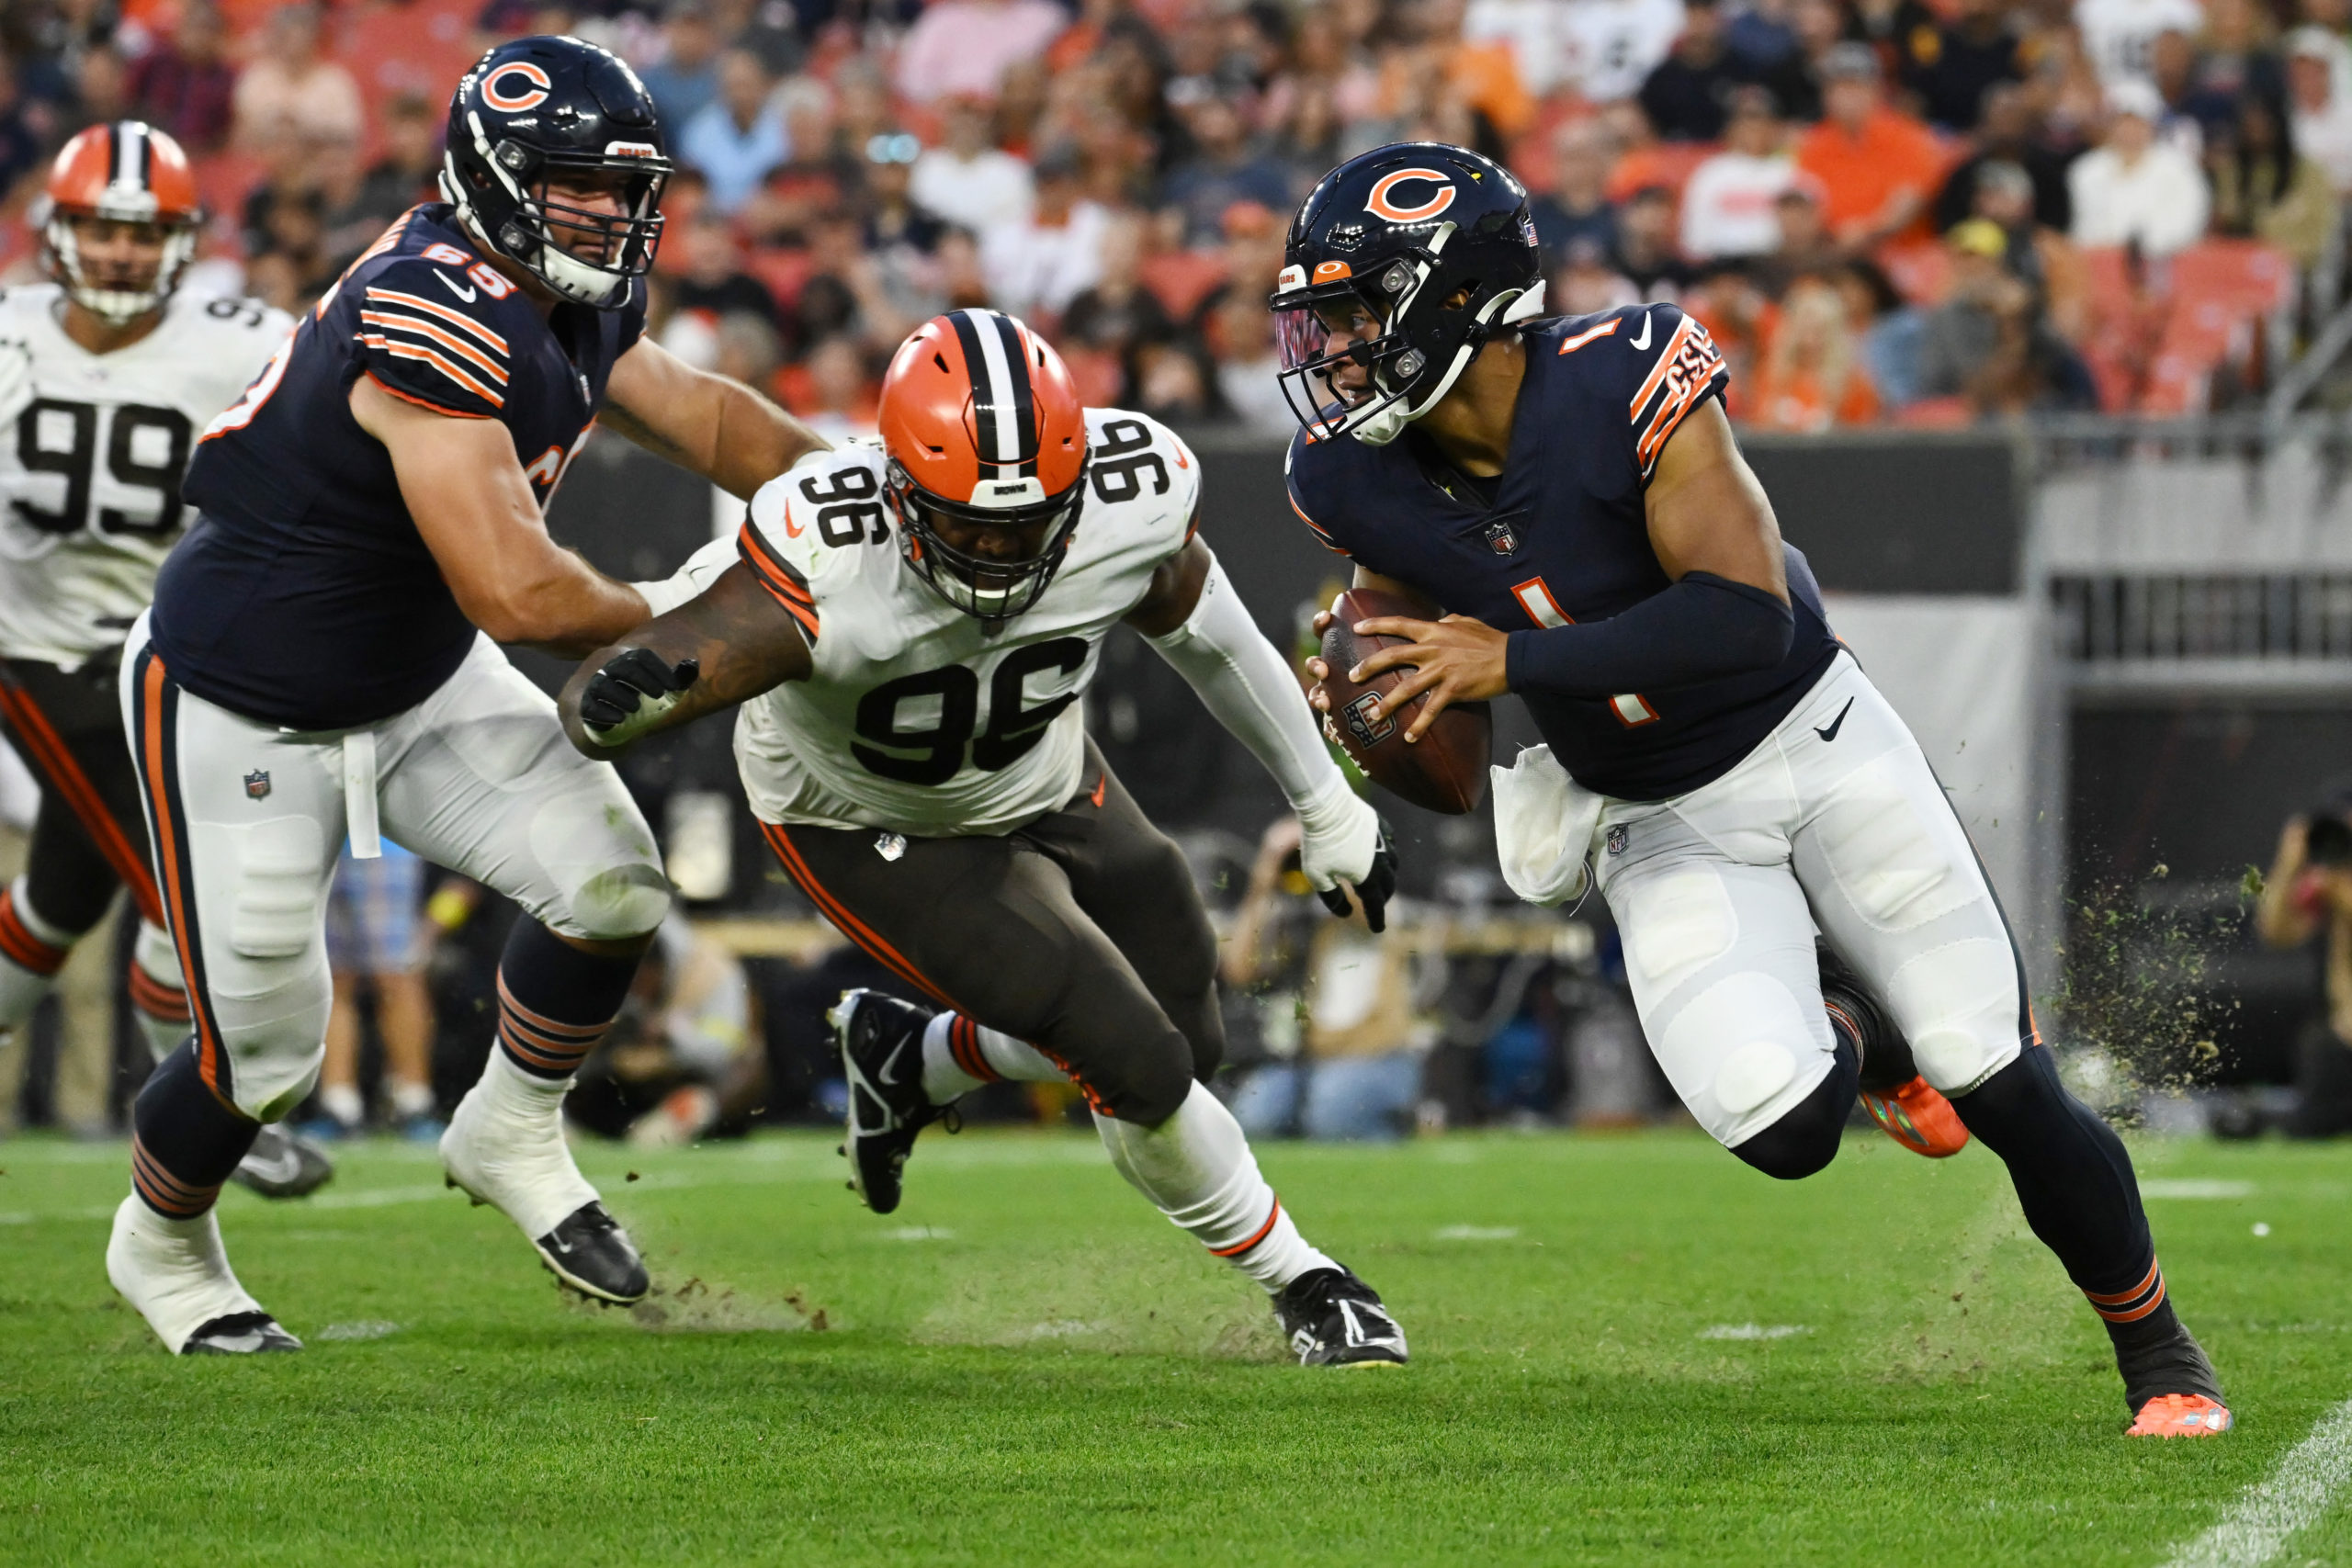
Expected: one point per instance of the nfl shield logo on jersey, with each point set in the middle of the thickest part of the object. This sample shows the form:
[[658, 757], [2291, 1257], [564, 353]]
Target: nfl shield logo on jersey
[[1617, 840], [256, 785], [1501, 537]]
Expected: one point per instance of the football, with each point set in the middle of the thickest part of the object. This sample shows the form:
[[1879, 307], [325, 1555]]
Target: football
[[1445, 769]]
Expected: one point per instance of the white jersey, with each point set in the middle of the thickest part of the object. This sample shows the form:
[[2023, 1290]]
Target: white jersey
[[2120, 35], [1614, 45], [917, 719], [90, 470]]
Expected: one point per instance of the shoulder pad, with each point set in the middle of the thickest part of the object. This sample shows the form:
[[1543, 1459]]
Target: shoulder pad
[[805, 528], [1303, 468], [1133, 459], [1661, 362], [429, 329]]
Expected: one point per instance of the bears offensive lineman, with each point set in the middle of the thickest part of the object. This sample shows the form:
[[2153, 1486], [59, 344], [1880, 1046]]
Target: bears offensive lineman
[[910, 626], [1570, 489], [320, 660], [106, 373]]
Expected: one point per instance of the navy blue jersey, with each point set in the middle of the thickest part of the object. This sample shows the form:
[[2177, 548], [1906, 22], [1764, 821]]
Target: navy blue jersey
[[303, 596], [1561, 536]]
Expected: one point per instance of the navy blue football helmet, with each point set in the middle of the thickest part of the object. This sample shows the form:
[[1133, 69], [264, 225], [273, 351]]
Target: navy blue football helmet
[[1402, 231], [539, 110]]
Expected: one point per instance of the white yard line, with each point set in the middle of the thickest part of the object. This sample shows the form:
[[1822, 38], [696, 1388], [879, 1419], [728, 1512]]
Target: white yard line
[[2258, 1525]]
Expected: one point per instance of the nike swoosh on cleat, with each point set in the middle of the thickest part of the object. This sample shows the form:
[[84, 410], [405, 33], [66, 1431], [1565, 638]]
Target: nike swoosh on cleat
[[1836, 724], [1643, 342], [468, 295], [285, 1168], [883, 1072]]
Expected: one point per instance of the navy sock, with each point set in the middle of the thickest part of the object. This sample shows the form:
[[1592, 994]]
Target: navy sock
[[184, 1142], [2077, 1185], [554, 1002], [1805, 1139]]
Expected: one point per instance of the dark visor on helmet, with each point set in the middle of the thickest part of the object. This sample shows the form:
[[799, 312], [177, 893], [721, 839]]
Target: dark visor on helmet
[[1312, 331]]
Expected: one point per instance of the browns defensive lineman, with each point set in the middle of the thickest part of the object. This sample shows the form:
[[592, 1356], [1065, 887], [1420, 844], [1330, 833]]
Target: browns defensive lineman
[[106, 373], [910, 626], [1570, 489]]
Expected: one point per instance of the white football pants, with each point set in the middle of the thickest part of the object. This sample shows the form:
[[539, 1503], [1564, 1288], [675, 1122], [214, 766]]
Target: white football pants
[[248, 819], [1835, 821]]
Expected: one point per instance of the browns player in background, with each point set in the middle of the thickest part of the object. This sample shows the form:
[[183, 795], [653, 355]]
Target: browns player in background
[[106, 373]]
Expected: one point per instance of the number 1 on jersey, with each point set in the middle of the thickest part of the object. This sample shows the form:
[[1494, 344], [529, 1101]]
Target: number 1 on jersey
[[1534, 596]]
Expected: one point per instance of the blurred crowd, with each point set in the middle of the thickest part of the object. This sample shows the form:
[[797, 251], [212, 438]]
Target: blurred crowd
[[1918, 211]]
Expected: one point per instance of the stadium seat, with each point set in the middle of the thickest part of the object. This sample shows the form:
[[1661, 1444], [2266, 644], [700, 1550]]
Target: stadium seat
[[1180, 281]]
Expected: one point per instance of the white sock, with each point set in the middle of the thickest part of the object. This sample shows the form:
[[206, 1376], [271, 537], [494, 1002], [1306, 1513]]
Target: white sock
[[21, 988], [342, 1101], [156, 964], [175, 1271], [953, 1046], [412, 1100], [1197, 1168], [505, 1147]]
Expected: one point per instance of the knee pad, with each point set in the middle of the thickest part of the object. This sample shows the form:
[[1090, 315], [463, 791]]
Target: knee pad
[[1151, 1083], [1805, 1140], [602, 866]]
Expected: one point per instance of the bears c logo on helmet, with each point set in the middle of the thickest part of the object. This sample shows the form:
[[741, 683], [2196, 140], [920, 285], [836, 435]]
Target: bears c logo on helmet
[[535, 92], [1380, 205]]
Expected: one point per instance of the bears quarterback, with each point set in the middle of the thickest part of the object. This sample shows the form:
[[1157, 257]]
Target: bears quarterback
[[909, 627], [1570, 491], [321, 661]]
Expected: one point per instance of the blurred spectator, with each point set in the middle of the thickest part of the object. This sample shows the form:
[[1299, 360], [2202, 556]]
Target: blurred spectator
[[2310, 891], [2192, 114], [1614, 45], [1173, 379], [747, 349], [1220, 171], [1240, 333], [1577, 205], [1820, 27], [20, 144], [1116, 312], [685, 81], [1987, 343], [1964, 58], [966, 46], [893, 218], [1729, 205], [185, 84], [842, 396], [2264, 189], [845, 291], [1587, 282], [1763, 35], [2120, 35], [2320, 115], [712, 278], [2006, 134], [2237, 54], [290, 90], [1804, 242], [1686, 95], [1877, 166], [1535, 32], [1738, 313], [406, 173], [1887, 329], [684, 1058], [2135, 190], [967, 179], [101, 90], [349, 222], [1646, 252], [1811, 376], [740, 136], [374, 947], [2038, 256], [1040, 262]]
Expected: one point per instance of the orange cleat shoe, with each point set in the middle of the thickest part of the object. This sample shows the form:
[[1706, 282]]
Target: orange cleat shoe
[[1918, 1117], [2181, 1416]]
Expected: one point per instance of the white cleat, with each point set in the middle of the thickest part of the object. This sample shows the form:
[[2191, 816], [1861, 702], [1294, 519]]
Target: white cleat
[[176, 1273], [505, 1147]]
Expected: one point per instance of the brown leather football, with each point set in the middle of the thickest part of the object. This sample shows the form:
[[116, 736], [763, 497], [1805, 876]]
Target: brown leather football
[[1445, 769]]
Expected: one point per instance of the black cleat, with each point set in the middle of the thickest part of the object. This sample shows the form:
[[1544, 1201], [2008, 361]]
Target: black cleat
[[283, 1164], [591, 1253], [881, 1041], [1336, 1320], [240, 1334], [1886, 1055]]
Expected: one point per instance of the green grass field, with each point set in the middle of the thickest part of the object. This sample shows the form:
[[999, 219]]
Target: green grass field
[[1027, 1365]]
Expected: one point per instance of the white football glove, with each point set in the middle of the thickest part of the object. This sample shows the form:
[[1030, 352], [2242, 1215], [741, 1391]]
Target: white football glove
[[1342, 838], [16, 379]]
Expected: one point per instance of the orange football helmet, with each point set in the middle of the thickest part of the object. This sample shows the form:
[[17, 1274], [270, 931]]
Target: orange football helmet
[[127, 172], [984, 430]]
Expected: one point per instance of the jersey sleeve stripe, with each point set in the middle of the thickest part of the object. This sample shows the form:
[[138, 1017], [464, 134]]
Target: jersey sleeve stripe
[[1659, 370], [1312, 527], [426, 402], [779, 580], [428, 356], [434, 308], [392, 320]]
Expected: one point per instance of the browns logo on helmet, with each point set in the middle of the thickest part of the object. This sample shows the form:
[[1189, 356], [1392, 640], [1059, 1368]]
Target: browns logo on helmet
[[987, 442], [125, 173]]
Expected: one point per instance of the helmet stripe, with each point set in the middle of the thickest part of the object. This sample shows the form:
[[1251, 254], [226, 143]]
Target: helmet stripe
[[143, 157], [1023, 422], [984, 403]]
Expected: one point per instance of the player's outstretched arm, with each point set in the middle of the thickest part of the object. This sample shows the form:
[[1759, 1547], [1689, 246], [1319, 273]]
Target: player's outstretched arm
[[1195, 621], [726, 644], [719, 428], [473, 507]]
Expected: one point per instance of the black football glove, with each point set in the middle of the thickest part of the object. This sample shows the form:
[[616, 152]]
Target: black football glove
[[633, 689], [1374, 891]]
